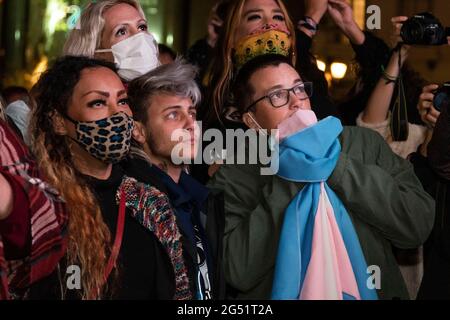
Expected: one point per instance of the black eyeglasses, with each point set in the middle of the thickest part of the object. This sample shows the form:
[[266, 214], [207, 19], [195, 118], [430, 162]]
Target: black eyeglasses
[[280, 98]]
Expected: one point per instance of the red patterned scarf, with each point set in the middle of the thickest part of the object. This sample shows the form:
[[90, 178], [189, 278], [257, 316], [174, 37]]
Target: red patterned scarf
[[48, 219]]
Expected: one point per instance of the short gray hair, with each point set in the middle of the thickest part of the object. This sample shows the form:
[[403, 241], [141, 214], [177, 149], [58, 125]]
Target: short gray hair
[[86, 39], [177, 78]]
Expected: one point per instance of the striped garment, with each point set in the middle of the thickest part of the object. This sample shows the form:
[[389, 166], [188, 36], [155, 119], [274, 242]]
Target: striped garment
[[319, 255], [48, 219]]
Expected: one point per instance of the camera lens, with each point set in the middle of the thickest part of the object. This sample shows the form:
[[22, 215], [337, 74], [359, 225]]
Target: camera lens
[[423, 29], [441, 100], [412, 32]]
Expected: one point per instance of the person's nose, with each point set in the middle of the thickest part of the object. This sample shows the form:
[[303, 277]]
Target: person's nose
[[189, 123], [295, 102], [269, 23]]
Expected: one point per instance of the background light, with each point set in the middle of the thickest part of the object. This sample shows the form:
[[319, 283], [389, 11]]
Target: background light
[[321, 65], [338, 70], [169, 40]]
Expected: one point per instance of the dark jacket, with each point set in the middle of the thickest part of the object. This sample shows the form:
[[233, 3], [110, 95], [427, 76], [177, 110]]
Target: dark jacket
[[436, 279], [209, 214], [145, 271]]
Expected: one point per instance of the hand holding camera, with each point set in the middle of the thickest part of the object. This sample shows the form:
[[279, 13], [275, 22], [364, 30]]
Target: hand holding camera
[[427, 110], [442, 97], [424, 29], [398, 23]]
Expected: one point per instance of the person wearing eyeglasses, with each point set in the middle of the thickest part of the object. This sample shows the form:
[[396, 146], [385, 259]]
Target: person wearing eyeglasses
[[323, 225]]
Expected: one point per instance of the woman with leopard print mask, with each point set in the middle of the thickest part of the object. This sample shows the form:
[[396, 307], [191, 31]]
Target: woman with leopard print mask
[[81, 130]]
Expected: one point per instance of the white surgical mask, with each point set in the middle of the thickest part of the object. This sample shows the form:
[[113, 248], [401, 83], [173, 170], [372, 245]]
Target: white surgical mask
[[135, 56]]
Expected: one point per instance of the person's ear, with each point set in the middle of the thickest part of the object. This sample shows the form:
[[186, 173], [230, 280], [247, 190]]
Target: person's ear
[[59, 123], [139, 133], [249, 121]]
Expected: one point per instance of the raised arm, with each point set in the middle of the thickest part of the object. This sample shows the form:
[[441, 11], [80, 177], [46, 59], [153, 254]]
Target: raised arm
[[342, 14], [377, 108], [314, 9]]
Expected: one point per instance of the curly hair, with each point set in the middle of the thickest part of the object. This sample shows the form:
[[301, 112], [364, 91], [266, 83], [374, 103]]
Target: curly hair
[[89, 237]]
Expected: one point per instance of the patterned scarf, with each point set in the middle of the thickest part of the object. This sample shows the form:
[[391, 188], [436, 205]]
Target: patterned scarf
[[151, 208], [319, 254], [48, 219]]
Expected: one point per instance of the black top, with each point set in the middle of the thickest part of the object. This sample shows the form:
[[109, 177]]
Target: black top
[[200, 55], [436, 278], [145, 271], [189, 201]]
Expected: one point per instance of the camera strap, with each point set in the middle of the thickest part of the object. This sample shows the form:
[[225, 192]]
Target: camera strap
[[399, 117]]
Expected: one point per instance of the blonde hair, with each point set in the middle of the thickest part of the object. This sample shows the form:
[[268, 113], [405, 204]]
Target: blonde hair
[[222, 73], [86, 39]]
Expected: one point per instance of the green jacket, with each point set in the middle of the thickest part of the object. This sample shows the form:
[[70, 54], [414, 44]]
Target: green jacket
[[380, 191]]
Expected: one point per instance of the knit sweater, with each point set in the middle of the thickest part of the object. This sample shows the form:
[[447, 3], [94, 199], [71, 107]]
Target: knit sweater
[[417, 135]]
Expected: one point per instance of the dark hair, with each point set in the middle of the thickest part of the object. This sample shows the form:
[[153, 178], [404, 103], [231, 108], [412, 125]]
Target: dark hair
[[163, 49], [222, 9], [9, 92], [243, 90], [55, 87], [89, 236]]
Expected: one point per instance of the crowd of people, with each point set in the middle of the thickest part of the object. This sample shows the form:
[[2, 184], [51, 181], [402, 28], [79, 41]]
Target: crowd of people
[[89, 180]]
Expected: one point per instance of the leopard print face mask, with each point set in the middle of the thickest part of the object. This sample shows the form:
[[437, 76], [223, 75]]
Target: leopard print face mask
[[107, 139]]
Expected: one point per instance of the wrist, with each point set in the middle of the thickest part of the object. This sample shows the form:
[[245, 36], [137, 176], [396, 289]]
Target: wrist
[[403, 53], [316, 16], [308, 25], [355, 34]]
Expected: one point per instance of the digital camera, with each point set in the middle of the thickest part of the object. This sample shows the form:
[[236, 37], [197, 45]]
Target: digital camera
[[424, 29], [442, 97]]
